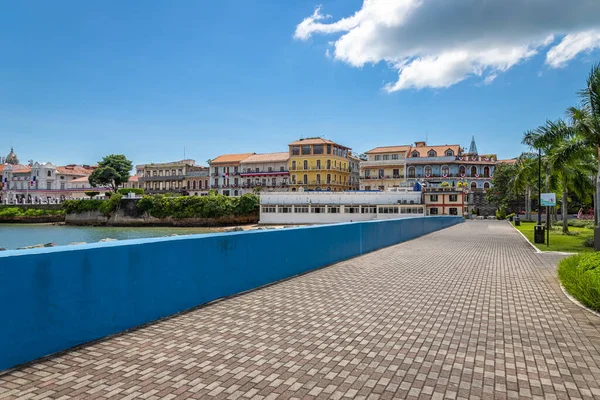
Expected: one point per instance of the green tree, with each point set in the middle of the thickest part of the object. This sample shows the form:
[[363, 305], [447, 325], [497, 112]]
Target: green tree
[[501, 194], [524, 179], [113, 171]]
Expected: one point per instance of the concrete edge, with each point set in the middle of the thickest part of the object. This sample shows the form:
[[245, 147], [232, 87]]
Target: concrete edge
[[564, 253], [574, 300]]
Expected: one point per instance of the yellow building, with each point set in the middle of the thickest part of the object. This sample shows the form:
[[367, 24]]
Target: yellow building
[[319, 164], [385, 168]]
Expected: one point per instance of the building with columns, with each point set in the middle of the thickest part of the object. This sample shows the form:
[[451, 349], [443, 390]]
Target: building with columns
[[225, 173], [385, 168]]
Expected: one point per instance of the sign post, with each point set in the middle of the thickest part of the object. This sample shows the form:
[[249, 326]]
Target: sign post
[[548, 200]]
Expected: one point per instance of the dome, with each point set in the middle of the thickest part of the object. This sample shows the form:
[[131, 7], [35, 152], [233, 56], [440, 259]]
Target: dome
[[11, 158]]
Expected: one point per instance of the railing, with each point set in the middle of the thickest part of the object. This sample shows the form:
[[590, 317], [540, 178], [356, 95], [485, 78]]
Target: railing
[[410, 176], [162, 178], [382, 162], [382, 177], [320, 169]]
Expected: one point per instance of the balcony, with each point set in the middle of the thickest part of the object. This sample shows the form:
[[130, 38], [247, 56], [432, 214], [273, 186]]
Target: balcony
[[381, 163], [375, 178], [320, 169], [438, 176], [162, 178], [264, 173]]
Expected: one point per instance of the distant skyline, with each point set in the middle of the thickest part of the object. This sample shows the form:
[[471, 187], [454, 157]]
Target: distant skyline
[[80, 80]]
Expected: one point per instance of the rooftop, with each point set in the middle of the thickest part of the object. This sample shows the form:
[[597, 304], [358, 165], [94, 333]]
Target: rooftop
[[267, 157], [230, 158], [316, 141], [73, 169], [423, 149], [389, 149]]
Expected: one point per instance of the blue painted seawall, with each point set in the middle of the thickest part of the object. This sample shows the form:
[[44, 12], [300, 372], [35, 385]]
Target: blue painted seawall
[[55, 298]]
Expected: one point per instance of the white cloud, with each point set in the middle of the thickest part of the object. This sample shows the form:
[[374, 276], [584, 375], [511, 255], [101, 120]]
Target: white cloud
[[438, 43], [571, 46]]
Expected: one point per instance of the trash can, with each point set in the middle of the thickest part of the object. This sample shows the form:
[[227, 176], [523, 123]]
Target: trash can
[[539, 232], [517, 221], [510, 218]]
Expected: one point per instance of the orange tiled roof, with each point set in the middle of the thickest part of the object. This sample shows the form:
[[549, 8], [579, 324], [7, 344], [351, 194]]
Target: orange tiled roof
[[509, 161], [440, 150], [74, 170], [21, 168], [388, 149], [2, 167], [83, 179], [231, 158], [268, 157], [316, 141], [134, 178]]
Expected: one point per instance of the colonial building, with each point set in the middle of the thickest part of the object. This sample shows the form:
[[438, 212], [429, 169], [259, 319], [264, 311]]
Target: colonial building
[[319, 164], [169, 177], [385, 168], [354, 163], [132, 183], [225, 173], [445, 200], [265, 173], [198, 181], [331, 207], [45, 183]]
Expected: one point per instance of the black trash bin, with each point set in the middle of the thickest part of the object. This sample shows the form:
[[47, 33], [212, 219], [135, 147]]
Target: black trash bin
[[517, 221], [539, 234]]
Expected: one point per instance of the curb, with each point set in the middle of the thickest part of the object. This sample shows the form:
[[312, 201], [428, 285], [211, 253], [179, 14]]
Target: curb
[[574, 300], [535, 248]]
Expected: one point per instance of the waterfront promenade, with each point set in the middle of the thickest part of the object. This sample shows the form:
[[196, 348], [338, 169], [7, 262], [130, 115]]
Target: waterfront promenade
[[467, 312]]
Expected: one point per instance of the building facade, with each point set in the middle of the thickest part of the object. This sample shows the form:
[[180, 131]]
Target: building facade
[[385, 168], [354, 163], [198, 182], [333, 207], [169, 177], [265, 173], [319, 164], [445, 200], [225, 173]]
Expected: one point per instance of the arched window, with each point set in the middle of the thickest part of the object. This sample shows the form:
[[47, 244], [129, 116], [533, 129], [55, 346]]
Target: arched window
[[445, 171], [427, 171], [318, 178], [431, 153], [473, 186], [235, 192], [473, 170], [415, 154], [194, 184], [294, 165], [49, 173], [486, 185], [305, 164], [449, 153], [411, 172], [305, 179], [486, 172]]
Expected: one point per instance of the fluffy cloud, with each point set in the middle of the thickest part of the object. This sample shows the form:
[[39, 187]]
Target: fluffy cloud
[[438, 43]]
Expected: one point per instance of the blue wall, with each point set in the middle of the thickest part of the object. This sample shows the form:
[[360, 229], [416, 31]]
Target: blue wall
[[55, 298]]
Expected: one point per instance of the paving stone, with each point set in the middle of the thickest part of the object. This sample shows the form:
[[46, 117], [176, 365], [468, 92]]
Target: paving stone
[[468, 312]]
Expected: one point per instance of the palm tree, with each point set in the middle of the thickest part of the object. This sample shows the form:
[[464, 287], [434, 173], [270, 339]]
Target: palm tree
[[524, 179]]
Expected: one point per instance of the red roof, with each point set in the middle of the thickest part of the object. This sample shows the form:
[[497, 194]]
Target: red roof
[[74, 170]]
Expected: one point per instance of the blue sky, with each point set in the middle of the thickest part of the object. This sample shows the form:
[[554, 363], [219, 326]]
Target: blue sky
[[79, 80]]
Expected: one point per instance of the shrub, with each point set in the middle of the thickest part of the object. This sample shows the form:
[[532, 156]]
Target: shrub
[[589, 242], [580, 276], [500, 213], [126, 191], [511, 215], [213, 206], [581, 223], [12, 212], [108, 206], [444, 184], [81, 206]]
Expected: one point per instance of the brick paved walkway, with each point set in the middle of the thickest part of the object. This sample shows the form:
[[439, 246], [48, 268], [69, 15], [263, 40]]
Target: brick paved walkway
[[468, 312]]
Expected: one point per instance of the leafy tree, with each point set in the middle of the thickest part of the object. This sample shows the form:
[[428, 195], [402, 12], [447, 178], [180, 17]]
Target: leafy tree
[[501, 194], [525, 178], [363, 157], [113, 171], [91, 193]]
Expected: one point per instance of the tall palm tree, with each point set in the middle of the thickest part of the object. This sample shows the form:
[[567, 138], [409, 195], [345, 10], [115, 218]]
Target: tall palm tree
[[524, 179], [586, 120]]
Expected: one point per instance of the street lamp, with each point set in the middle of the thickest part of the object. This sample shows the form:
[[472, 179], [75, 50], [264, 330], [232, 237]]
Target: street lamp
[[538, 236]]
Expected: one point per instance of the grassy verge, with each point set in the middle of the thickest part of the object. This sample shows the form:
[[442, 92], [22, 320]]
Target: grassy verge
[[580, 276], [558, 242]]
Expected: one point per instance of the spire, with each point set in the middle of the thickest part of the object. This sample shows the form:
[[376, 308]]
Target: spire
[[11, 158], [473, 147]]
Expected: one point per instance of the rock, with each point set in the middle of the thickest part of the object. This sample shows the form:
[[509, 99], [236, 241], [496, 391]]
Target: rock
[[107, 240], [76, 243], [3, 249], [235, 229], [37, 246]]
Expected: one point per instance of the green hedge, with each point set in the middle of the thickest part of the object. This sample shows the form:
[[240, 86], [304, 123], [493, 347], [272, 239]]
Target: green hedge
[[213, 206], [580, 276], [20, 212], [106, 207], [581, 223], [126, 191]]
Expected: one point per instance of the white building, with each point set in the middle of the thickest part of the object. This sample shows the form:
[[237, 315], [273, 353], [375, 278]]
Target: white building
[[45, 183], [333, 207], [265, 173], [225, 174]]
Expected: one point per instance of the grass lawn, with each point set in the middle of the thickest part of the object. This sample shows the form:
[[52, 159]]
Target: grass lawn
[[558, 242]]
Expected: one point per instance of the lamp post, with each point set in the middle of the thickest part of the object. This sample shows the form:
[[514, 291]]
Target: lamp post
[[538, 235]]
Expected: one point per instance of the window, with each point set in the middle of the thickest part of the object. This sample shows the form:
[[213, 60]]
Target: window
[[328, 149], [334, 209], [49, 173], [285, 209], [328, 178], [433, 211], [433, 198], [62, 186], [367, 173], [328, 164], [431, 153], [473, 186], [415, 154], [352, 210], [301, 209], [449, 153], [318, 149], [317, 209], [388, 210], [473, 171], [386, 157], [180, 171], [305, 179], [295, 150], [462, 170], [270, 169], [453, 197], [269, 209], [273, 182], [395, 157], [173, 172], [377, 158], [293, 165], [411, 172], [428, 171], [305, 164], [305, 149], [445, 171], [318, 178], [454, 211], [264, 182], [486, 172], [318, 164], [294, 179], [486, 185], [48, 185], [381, 173], [282, 169], [396, 173], [368, 210]]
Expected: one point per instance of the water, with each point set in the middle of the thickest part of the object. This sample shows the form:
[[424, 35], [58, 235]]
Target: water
[[13, 236]]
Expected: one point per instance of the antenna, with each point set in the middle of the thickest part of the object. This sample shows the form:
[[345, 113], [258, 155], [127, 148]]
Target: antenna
[[184, 152], [426, 134]]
